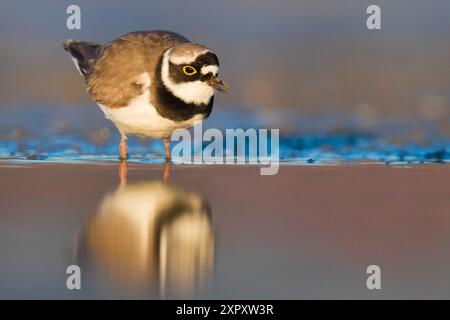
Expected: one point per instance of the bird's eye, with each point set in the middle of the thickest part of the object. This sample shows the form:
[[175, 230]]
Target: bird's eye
[[189, 70]]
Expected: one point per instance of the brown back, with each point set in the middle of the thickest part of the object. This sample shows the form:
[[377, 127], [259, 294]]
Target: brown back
[[135, 53]]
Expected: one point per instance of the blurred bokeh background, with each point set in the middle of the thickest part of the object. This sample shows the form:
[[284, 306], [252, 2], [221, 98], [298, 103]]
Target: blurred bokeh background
[[307, 67]]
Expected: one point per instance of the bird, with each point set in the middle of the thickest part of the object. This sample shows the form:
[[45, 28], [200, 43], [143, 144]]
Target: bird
[[149, 83]]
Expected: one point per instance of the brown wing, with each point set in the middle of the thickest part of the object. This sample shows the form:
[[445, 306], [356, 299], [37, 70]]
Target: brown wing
[[115, 76]]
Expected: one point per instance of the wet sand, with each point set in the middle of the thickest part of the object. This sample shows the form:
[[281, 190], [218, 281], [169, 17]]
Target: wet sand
[[224, 231]]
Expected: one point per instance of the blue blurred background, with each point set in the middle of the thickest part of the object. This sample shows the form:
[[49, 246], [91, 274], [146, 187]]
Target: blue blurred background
[[336, 90]]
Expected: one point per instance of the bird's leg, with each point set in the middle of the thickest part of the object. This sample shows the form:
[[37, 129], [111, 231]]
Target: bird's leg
[[167, 146], [166, 172], [123, 148]]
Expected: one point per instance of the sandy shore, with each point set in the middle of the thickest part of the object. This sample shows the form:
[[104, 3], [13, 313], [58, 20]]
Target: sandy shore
[[307, 232]]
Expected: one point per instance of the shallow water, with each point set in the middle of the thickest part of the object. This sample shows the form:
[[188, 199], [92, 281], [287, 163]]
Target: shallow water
[[64, 134], [343, 199], [223, 231]]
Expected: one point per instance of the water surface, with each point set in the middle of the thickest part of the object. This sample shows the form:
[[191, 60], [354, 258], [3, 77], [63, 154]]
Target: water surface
[[224, 231]]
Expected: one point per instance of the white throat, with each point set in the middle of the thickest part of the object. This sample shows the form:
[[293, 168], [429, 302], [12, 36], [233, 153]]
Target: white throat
[[196, 92]]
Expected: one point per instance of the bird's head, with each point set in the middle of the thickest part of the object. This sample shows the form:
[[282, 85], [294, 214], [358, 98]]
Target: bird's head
[[190, 71]]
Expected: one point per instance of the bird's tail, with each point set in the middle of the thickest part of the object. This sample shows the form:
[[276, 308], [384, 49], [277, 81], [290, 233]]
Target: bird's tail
[[84, 54]]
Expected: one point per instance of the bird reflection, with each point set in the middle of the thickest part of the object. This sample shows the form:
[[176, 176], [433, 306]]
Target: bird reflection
[[153, 237]]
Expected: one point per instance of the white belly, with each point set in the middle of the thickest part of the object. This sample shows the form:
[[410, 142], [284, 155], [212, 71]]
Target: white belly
[[141, 118], [144, 120]]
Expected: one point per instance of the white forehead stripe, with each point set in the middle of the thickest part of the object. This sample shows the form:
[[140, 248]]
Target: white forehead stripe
[[187, 57], [210, 69]]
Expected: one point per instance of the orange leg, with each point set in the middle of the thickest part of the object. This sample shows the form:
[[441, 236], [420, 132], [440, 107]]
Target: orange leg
[[167, 146], [123, 148]]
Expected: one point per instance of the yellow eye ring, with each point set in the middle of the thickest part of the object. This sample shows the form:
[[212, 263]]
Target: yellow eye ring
[[189, 70]]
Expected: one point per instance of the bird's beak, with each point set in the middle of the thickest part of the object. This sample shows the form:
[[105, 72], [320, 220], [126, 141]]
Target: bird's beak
[[218, 85]]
